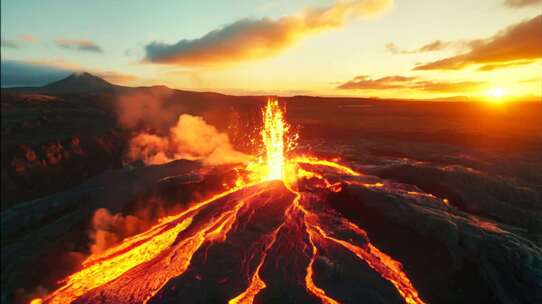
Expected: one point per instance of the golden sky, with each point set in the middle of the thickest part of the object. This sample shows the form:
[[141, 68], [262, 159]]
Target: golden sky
[[409, 49]]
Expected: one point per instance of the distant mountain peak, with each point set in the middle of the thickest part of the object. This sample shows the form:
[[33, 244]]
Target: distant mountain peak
[[80, 82], [83, 75]]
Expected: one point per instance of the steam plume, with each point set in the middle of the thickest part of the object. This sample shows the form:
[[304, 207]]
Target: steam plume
[[191, 138]]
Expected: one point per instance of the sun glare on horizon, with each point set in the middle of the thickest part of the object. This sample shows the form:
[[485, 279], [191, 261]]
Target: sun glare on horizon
[[496, 94]]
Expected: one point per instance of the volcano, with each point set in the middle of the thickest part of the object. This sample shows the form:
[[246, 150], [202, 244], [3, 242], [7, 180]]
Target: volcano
[[284, 229], [291, 192], [79, 82]]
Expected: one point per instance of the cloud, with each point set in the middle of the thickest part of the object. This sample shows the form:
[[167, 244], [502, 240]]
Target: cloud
[[364, 82], [521, 3], [191, 138], [495, 66], [16, 73], [260, 38], [6, 43], [444, 86], [28, 38], [81, 45], [435, 45], [393, 48], [522, 41], [14, 44]]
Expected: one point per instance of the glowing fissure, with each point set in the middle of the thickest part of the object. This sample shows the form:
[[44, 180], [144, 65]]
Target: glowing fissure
[[311, 286], [256, 283], [138, 269], [215, 230], [382, 263]]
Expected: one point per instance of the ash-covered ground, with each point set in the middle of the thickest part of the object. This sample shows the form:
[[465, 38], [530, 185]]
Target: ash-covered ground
[[459, 201]]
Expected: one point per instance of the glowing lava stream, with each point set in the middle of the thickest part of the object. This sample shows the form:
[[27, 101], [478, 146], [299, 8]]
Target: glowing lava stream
[[138, 268], [256, 283]]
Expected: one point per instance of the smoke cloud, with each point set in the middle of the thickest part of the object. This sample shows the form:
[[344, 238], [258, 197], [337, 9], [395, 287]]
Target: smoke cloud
[[109, 229], [191, 138], [145, 108]]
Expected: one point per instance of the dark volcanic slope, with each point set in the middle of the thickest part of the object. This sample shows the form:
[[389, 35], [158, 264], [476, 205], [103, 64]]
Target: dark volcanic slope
[[449, 255], [51, 142]]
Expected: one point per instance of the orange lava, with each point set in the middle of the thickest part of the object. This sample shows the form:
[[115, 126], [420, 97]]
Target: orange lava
[[256, 283], [151, 259], [309, 283], [382, 263]]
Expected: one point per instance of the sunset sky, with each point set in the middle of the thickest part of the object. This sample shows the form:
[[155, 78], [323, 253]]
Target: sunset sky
[[370, 48]]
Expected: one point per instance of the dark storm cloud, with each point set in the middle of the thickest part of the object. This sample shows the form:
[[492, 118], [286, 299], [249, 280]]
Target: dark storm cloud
[[519, 42], [259, 38], [18, 73], [81, 45], [521, 3], [364, 82]]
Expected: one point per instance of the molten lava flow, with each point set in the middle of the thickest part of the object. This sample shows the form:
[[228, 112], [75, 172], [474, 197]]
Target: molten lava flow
[[256, 283], [138, 269], [386, 266], [110, 269], [315, 290]]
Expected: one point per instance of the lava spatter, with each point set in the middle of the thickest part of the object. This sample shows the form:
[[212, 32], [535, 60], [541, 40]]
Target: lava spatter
[[137, 269]]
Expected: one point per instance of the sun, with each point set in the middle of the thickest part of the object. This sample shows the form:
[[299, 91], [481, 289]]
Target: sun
[[496, 93]]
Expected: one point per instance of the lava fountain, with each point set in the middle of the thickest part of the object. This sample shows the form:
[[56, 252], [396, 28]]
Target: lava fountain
[[142, 268], [273, 139]]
